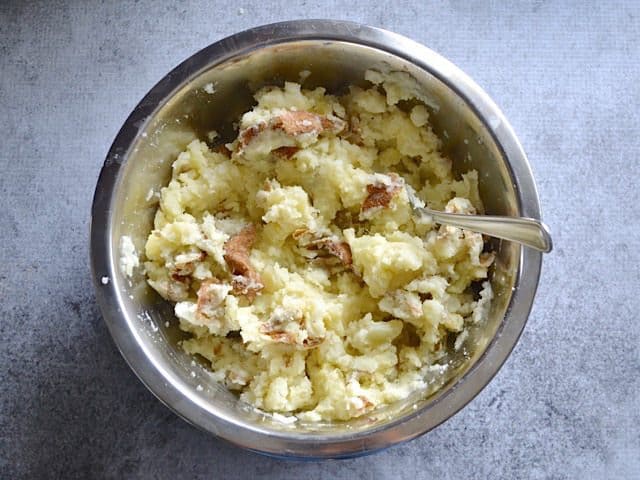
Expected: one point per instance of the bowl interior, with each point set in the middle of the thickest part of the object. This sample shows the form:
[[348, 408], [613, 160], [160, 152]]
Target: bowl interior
[[191, 111]]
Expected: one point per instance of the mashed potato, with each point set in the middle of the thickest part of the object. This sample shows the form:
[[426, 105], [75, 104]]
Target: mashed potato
[[294, 260]]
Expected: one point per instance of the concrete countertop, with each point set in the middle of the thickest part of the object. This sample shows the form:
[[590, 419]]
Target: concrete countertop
[[567, 402]]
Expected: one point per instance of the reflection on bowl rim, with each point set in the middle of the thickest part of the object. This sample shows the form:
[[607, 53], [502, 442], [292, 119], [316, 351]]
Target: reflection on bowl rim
[[187, 403]]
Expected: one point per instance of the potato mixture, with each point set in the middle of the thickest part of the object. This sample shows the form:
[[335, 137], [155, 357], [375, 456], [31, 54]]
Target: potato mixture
[[295, 262]]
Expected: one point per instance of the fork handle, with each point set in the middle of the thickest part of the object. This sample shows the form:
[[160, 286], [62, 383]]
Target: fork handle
[[526, 231]]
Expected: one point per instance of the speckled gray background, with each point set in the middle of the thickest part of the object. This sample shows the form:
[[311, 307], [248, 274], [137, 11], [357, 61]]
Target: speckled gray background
[[567, 402]]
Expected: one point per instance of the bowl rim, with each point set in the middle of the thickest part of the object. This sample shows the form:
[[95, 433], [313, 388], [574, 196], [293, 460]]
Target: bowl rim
[[174, 393]]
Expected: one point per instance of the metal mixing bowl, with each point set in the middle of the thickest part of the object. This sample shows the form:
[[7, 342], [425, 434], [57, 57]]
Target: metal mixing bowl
[[475, 134]]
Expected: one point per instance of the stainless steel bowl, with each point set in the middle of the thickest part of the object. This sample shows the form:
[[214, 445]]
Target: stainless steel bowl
[[475, 135]]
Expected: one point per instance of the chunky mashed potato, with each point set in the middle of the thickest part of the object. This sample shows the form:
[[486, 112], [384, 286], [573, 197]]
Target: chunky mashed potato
[[294, 260]]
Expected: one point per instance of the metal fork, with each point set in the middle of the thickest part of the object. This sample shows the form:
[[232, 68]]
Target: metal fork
[[526, 231]]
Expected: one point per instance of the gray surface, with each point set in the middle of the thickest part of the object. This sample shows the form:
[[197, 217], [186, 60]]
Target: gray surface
[[566, 404]]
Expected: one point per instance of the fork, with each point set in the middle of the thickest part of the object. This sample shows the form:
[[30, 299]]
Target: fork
[[526, 231]]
